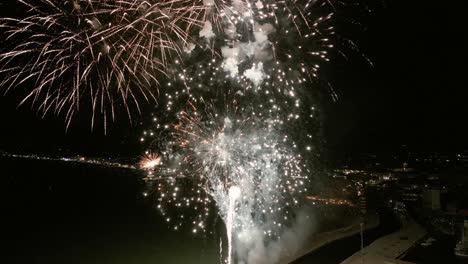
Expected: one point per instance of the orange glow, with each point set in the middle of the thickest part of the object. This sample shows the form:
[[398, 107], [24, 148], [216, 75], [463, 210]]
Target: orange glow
[[149, 161]]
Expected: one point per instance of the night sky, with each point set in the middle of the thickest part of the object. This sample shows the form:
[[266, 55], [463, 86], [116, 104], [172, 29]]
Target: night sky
[[414, 94]]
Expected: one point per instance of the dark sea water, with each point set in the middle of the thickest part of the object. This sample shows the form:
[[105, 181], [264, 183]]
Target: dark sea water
[[58, 212], [67, 213], [440, 251]]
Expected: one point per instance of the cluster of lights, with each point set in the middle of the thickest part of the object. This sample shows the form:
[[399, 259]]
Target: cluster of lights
[[333, 201]]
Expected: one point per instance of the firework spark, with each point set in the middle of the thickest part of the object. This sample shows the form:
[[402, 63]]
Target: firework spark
[[150, 161]]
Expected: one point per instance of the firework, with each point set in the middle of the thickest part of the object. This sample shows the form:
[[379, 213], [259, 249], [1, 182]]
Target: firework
[[108, 52], [243, 151], [237, 159], [269, 44], [238, 151], [111, 53]]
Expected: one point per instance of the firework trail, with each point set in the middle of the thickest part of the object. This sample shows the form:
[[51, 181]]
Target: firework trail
[[234, 193]]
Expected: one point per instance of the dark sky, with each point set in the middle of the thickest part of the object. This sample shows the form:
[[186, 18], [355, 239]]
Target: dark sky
[[414, 93]]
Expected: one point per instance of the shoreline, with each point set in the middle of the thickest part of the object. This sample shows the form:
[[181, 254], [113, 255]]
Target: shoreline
[[392, 247]]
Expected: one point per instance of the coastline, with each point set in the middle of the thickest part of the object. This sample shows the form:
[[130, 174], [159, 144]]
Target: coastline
[[390, 248]]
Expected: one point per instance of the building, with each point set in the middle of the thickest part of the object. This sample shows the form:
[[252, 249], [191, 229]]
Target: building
[[461, 249], [431, 199]]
